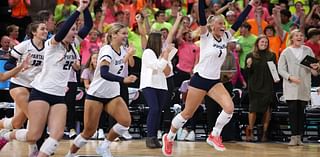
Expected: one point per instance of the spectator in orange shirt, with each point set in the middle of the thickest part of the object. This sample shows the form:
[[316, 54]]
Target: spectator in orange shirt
[[258, 24]]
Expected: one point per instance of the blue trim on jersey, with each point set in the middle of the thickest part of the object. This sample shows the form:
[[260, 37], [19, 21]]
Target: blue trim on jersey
[[106, 56], [218, 40], [36, 46], [226, 35], [16, 51], [119, 54]]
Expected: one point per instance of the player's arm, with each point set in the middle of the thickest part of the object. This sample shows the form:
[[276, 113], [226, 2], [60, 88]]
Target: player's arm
[[69, 22], [202, 17], [6, 75], [242, 17], [104, 72]]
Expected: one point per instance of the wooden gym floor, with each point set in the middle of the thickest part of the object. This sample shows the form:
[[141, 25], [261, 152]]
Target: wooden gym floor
[[181, 149]]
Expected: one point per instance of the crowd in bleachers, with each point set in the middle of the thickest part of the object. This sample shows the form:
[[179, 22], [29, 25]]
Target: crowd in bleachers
[[272, 32]]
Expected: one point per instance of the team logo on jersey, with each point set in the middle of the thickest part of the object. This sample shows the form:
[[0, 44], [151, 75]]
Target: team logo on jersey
[[118, 62], [219, 46], [37, 56]]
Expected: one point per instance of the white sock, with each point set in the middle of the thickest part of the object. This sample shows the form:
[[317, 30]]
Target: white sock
[[70, 154], [222, 120], [171, 135], [177, 122]]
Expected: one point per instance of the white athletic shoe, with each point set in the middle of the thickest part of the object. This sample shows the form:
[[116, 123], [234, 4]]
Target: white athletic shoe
[[127, 135], [70, 155], [104, 150], [191, 136], [100, 134], [159, 134], [72, 133], [182, 136], [94, 136]]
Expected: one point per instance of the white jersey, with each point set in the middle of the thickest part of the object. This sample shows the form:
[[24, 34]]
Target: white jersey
[[53, 78], [100, 87], [20, 52], [212, 55]]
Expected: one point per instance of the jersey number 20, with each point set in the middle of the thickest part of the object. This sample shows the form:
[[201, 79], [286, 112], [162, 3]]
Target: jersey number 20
[[67, 65]]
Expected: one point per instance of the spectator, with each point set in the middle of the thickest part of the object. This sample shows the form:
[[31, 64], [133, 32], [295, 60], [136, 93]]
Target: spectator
[[286, 22], [260, 85], [313, 41], [265, 13], [246, 40], [258, 24], [90, 45], [171, 14], [296, 83], [5, 47], [13, 33], [160, 22], [154, 70], [63, 11]]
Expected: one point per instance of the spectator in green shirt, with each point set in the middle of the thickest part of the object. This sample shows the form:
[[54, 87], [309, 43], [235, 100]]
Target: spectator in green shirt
[[246, 41], [286, 23], [160, 22], [63, 11], [171, 13]]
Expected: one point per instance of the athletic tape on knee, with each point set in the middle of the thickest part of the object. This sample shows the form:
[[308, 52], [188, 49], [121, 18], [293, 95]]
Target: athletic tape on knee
[[79, 141], [21, 135], [119, 129], [49, 146], [7, 123], [178, 121]]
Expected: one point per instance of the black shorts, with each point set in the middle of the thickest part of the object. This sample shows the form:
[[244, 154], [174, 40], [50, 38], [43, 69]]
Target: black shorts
[[51, 99], [13, 85], [202, 83], [104, 101]]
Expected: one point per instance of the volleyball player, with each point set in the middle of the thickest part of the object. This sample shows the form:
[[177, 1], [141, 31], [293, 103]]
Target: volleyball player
[[46, 101], [20, 85], [104, 92], [206, 80]]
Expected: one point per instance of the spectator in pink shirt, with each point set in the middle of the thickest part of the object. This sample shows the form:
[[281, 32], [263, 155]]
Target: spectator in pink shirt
[[265, 15], [237, 79], [90, 45], [188, 53]]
